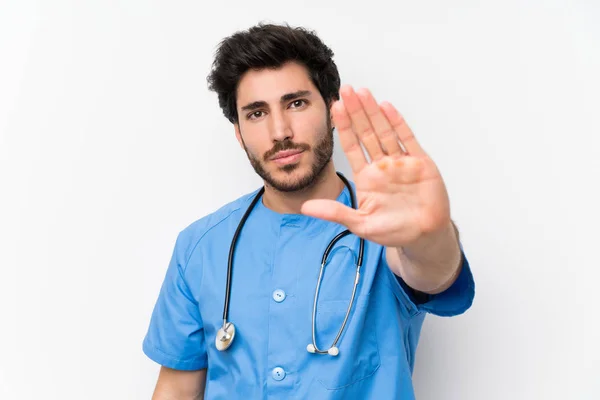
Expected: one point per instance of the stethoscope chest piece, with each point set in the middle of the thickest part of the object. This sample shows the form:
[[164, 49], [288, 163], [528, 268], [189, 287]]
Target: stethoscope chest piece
[[225, 336]]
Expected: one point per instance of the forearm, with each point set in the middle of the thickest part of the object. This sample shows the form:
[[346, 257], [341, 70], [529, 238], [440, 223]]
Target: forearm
[[430, 264], [175, 395], [180, 385]]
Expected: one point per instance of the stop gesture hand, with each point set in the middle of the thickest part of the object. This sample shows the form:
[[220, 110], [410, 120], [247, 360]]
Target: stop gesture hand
[[400, 193]]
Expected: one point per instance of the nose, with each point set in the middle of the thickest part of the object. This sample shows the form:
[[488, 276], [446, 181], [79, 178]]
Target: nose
[[280, 127]]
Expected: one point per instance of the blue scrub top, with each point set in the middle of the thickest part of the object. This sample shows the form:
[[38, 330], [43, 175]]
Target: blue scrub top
[[275, 270]]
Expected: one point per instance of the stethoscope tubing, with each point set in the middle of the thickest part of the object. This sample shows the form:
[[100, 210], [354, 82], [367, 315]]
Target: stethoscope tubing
[[313, 348]]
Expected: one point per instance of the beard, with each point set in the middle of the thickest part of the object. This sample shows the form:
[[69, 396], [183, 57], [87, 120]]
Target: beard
[[323, 151]]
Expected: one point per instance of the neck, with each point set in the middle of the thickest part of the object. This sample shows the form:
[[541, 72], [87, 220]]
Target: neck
[[327, 186]]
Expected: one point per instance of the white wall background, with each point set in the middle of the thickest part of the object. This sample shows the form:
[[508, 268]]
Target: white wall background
[[110, 143]]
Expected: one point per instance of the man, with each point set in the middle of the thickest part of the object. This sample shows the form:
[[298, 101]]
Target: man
[[266, 337]]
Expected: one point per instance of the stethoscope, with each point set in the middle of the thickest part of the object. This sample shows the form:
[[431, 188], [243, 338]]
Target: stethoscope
[[226, 333]]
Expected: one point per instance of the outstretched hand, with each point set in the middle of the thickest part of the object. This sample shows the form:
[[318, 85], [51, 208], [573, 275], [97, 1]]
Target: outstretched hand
[[400, 192]]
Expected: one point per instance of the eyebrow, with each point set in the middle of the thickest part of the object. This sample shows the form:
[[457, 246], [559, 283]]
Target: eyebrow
[[286, 97]]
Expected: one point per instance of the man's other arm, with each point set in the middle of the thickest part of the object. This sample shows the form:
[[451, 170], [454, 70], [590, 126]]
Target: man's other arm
[[180, 385]]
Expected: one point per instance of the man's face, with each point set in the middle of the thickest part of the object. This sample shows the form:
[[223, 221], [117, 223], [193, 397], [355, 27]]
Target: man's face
[[284, 126]]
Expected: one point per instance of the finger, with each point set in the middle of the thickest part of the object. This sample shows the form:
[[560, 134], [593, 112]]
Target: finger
[[405, 134], [361, 123], [334, 211], [348, 139], [383, 129]]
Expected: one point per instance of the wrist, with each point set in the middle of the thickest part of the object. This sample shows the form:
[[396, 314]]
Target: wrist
[[433, 261]]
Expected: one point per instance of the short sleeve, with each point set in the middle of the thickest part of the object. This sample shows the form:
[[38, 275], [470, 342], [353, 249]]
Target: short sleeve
[[455, 300], [175, 337]]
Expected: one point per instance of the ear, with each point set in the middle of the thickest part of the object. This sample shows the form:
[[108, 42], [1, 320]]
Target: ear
[[331, 121], [238, 135]]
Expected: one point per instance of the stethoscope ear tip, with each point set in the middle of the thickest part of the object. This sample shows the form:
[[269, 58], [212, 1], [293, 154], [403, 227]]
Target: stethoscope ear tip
[[333, 351]]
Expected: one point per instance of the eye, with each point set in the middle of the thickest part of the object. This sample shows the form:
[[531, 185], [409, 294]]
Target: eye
[[298, 103], [254, 115]]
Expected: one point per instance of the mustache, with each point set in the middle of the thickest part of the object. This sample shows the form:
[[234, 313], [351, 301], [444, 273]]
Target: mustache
[[285, 145]]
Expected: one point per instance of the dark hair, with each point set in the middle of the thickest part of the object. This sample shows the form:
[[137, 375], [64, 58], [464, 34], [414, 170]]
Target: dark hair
[[270, 46]]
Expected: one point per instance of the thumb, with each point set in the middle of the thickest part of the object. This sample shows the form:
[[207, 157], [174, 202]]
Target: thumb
[[332, 210]]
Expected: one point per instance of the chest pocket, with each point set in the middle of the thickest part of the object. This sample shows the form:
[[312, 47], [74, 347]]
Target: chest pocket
[[358, 357]]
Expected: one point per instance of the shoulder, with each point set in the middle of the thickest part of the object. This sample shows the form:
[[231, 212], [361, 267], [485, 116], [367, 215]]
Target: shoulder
[[189, 237]]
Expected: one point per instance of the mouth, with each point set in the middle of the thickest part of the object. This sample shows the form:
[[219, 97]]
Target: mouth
[[287, 157]]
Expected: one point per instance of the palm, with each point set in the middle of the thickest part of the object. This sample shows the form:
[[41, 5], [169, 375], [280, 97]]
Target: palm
[[400, 195], [400, 202]]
